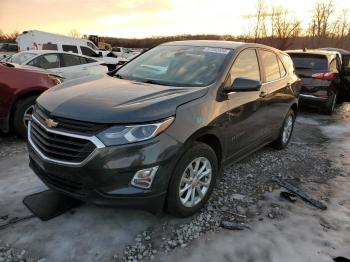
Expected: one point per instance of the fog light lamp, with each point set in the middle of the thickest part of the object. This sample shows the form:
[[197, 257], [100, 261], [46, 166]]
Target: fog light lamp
[[144, 178]]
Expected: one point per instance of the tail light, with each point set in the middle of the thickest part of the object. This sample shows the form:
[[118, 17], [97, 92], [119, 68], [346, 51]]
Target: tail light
[[324, 76]]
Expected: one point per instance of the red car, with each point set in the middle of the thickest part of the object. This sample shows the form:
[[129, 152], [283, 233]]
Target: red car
[[19, 88]]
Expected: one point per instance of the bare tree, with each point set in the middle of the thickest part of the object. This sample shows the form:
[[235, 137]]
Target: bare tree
[[320, 25], [283, 26], [258, 28]]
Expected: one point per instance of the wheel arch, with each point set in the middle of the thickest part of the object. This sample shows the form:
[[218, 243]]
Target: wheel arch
[[22, 96]]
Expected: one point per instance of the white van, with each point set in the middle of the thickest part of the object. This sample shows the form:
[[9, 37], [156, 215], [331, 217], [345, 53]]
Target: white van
[[39, 40]]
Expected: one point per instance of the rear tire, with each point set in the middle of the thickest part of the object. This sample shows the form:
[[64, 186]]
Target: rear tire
[[199, 185], [23, 110], [285, 132], [330, 104]]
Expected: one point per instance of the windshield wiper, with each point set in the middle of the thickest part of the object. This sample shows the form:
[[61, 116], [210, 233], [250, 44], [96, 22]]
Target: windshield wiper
[[155, 82]]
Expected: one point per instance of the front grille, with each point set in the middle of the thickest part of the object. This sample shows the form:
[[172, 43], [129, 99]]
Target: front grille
[[70, 125], [60, 147]]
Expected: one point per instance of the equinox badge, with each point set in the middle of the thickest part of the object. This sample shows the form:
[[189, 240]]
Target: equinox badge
[[50, 123]]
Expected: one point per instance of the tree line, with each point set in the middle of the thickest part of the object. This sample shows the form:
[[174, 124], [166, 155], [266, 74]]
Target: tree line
[[268, 24]]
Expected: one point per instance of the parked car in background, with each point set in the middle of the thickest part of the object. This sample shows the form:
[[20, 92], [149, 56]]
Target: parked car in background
[[159, 132], [39, 40], [69, 65], [19, 88], [320, 72], [125, 53], [345, 71], [7, 49]]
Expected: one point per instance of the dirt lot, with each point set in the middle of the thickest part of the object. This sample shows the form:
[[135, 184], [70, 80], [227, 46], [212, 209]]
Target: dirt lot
[[318, 160]]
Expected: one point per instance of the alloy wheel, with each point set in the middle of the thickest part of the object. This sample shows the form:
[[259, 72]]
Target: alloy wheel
[[195, 182], [287, 129]]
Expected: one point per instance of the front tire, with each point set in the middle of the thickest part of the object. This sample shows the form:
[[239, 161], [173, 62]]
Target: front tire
[[286, 131], [23, 111], [192, 181]]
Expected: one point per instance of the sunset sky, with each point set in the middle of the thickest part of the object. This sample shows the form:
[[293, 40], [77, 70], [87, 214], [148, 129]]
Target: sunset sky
[[140, 18]]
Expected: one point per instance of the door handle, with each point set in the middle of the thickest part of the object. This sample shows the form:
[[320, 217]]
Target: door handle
[[263, 94]]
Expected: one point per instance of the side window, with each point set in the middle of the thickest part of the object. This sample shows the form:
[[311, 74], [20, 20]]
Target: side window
[[333, 66], [48, 61], [246, 66], [270, 64], [283, 71], [288, 62], [87, 51], [70, 48], [50, 46], [70, 60]]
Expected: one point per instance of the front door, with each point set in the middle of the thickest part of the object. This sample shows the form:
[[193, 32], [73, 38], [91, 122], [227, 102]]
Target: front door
[[245, 126]]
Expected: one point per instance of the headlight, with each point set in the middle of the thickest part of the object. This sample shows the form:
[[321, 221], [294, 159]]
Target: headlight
[[120, 135]]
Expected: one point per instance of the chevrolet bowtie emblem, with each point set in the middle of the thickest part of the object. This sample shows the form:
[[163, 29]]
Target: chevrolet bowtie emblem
[[50, 123]]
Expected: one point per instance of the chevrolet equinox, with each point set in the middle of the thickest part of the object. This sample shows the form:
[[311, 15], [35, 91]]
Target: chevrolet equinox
[[159, 131]]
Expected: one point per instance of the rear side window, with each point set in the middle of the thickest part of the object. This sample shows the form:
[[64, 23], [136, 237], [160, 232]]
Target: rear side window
[[50, 46], [87, 51], [70, 60], [288, 62], [85, 60], [283, 71], [70, 48], [270, 64], [47, 61], [246, 66], [309, 62], [333, 67]]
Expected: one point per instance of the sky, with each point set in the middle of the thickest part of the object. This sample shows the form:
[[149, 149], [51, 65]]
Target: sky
[[141, 18]]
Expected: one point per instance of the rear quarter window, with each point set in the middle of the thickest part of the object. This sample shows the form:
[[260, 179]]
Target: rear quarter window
[[309, 62]]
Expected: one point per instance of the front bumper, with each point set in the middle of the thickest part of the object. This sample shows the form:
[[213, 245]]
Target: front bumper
[[105, 179]]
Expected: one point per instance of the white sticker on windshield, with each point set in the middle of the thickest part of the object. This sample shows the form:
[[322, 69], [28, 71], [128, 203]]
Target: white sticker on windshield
[[216, 50]]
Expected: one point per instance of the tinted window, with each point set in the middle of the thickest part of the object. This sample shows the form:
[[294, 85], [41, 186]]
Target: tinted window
[[246, 66], [85, 60], [288, 62], [270, 64], [87, 51], [309, 62], [47, 61], [116, 49], [70, 48], [50, 47], [70, 60], [283, 71], [333, 66]]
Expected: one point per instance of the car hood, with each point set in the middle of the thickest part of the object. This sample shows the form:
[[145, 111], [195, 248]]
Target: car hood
[[105, 99]]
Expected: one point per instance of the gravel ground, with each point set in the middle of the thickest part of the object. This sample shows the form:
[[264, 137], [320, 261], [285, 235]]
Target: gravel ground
[[240, 195]]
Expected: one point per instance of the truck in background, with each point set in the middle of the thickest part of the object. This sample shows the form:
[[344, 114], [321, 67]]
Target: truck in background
[[39, 40]]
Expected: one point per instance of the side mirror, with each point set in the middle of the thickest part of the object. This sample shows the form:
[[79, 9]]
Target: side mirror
[[244, 85]]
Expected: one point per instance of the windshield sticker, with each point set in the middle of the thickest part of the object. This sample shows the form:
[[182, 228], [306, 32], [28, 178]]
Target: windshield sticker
[[216, 50]]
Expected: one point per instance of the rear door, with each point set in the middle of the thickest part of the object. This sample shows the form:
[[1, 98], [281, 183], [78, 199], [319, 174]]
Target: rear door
[[276, 97], [72, 66], [345, 76]]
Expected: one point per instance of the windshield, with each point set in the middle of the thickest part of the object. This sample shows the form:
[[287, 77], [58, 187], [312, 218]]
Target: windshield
[[177, 65], [20, 58]]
